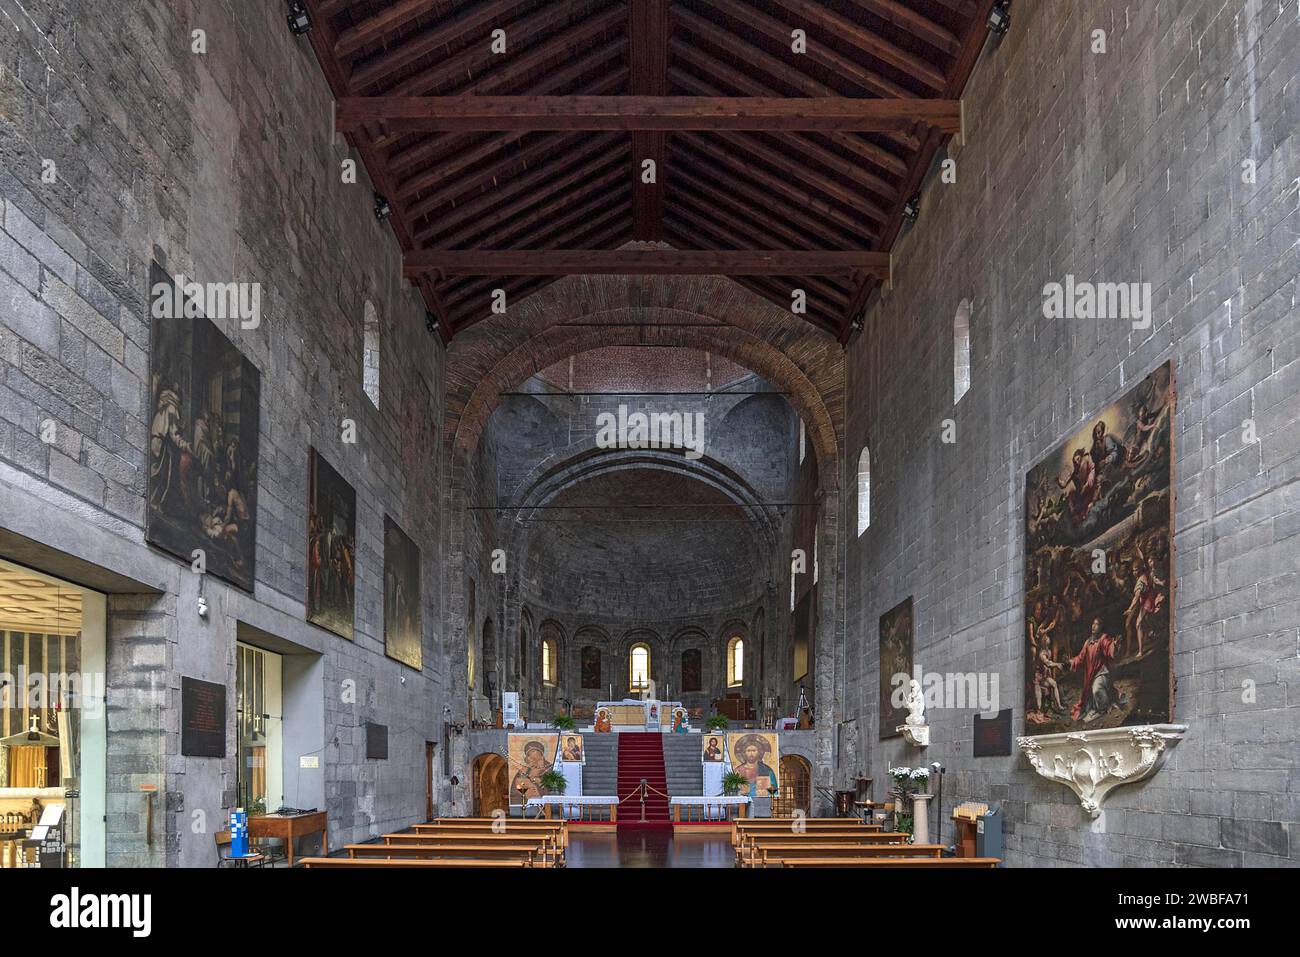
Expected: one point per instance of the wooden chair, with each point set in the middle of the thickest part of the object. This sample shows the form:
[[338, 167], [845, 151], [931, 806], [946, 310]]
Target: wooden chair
[[224, 841]]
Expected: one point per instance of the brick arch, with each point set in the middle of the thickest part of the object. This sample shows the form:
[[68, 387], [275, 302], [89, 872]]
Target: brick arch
[[559, 342]]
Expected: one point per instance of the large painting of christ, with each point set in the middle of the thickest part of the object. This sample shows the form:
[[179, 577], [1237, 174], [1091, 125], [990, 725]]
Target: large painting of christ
[[203, 431], [331, 549], [895, 666], [1098, 569], [402, 623]]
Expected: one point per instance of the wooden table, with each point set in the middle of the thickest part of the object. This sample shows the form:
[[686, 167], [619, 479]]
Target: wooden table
[[287, 827]]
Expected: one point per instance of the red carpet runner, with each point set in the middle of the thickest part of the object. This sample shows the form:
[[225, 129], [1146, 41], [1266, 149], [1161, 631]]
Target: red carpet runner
[[641, 755]]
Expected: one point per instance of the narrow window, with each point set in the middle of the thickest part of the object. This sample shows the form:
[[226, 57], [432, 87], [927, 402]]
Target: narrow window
[[864, 490], [638, 676], [548, 661], [370, 354], [803, 441], [961, 351], [735, 662]]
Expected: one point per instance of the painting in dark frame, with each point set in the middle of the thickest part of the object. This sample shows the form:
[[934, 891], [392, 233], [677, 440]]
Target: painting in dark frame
[[590, 667], [402, 620], [204, 400], [895, 665], [692, 670], [1099, 569], [331, 548]]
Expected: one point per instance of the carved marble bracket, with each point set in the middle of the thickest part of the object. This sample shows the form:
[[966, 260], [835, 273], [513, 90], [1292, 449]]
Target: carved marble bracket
[[1092, 763], [915, 734]]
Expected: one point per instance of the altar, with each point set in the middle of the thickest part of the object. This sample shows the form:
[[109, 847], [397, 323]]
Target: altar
[[632, 714]]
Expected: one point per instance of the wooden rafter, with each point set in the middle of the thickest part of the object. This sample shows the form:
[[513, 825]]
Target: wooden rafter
[[647, 36], [645, 262], [494, 113]]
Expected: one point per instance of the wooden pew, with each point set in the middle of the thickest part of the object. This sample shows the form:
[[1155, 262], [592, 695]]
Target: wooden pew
[[364, 863], [546, 842], [531, 854], [894, 862], [787, 825], [771, 855], [489, 825], [745, 848]]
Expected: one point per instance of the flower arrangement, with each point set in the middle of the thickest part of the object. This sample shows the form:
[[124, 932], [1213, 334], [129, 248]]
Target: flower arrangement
[[908, 780]]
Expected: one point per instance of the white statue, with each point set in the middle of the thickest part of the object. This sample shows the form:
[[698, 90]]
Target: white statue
[[915, 704]]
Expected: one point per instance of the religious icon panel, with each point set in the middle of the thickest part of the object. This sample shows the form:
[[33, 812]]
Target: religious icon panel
[[529, 757], [755, 755]]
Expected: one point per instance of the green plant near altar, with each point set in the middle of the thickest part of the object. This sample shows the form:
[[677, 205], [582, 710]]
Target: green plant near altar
[[564, 722], [717, 722], [732, 782], [553, 782]]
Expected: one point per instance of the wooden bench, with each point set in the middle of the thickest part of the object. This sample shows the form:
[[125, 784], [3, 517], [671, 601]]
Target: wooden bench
[[768, 855], [505, 825], [806, 825], [893, 862], [362, 863], [748, 843], [531, 854], [547, 843]]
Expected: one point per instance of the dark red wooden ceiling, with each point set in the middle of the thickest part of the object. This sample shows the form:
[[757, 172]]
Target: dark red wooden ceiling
[[715, 190]]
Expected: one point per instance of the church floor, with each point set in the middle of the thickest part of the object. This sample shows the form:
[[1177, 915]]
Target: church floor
[[650, 849]]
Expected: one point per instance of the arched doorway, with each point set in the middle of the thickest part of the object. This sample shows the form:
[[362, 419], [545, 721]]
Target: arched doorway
[[795, 790], [491, 787]]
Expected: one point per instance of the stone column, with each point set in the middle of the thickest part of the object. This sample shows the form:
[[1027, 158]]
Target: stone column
[[921, 818]]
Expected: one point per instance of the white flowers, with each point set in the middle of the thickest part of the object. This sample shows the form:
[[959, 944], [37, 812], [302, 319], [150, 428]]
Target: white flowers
[[919, 776]]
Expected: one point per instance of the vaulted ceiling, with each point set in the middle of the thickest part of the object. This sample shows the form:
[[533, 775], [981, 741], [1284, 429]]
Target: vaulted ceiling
[[780, 162]]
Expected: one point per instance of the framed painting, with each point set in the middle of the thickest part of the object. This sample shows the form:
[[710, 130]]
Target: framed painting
[[590, 667], [755, 755], [402, 621], [331, 549], [1099, 569], [204, 398], [895, 665], [530, 756]]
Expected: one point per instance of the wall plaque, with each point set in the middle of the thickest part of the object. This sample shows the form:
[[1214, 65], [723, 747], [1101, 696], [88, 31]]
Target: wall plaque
[[377, 742], [993, 735], [203, 718]]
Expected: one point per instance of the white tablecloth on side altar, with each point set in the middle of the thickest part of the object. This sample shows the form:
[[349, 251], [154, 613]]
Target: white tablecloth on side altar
[[713, 771], [711, 802]]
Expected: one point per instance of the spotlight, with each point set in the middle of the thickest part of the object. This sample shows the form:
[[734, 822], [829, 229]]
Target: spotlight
[[912, 208], [299, 19], [999, 21], [382, 209]]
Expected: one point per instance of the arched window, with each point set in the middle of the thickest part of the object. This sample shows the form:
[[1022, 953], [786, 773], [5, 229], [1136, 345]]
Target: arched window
[[864, 490], [370, 353], [638, 668], [735, 662], [803, 441], [961, 351], [548, 661]]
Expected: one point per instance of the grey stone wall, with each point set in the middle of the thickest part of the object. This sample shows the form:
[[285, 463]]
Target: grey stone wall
[[223, 166], [1125, 166]]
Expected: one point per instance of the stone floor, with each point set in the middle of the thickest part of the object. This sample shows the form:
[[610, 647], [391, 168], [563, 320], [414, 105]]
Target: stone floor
[[650, 849]]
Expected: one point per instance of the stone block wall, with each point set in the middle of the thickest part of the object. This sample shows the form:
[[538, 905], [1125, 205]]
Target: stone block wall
[[1124, 166]]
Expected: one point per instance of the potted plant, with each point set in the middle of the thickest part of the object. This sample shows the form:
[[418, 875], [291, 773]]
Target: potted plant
[[732, 782], [554, 782], [564, 722], [717, 722]]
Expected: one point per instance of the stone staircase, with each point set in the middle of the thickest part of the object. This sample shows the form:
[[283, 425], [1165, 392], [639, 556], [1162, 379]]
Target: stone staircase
[[641, 757], [682, 765], [600, 773]]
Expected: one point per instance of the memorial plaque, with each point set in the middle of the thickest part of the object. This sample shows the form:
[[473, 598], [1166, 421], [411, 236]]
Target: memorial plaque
[[203, 718], [993, 735], [377, 741]]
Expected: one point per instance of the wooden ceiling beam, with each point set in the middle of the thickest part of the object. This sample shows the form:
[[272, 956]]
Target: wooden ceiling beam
[[819, 15], [778, 30], [648, 26], [435, 159], [708, 146], [917, 24], [645, 262], [876, 155], [543, 147], [373, 28], [576, 177], [764, 114], [477, 20], [538, 180]]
